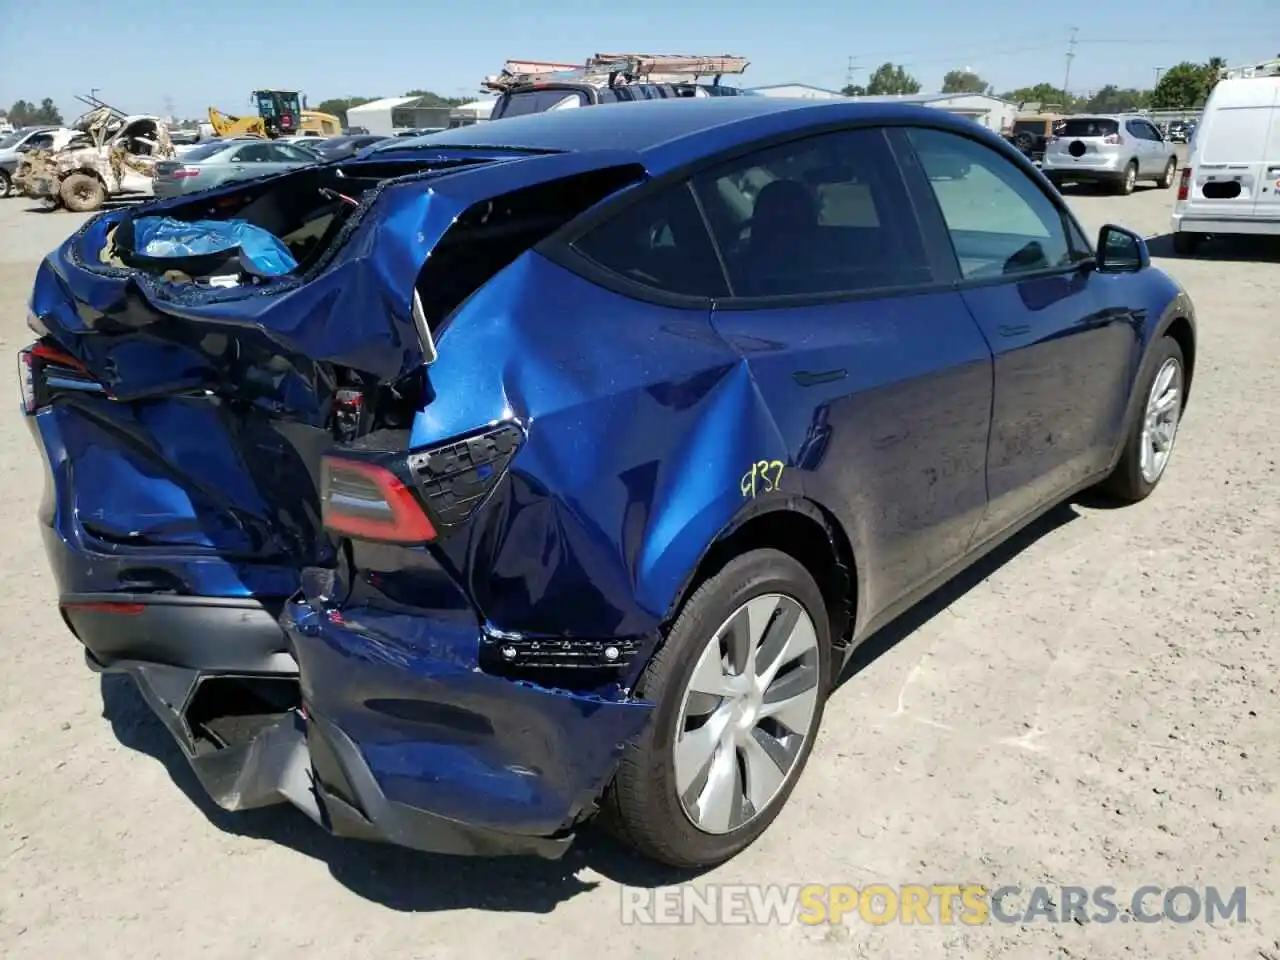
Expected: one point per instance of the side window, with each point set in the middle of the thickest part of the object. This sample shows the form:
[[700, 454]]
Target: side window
[[661, 242], [827, 214], [1001, 223], [253, 153], [1152, 131], [41, 141]]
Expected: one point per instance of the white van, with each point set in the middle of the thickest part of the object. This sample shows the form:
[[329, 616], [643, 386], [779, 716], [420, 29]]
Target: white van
[[1231, 183]]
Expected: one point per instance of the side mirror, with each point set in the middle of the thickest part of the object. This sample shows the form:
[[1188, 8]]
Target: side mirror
[[1121, 250]]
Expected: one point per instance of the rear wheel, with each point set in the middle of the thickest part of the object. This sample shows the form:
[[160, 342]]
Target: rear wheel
[[738, 688], [1128, 180], [1170, 172], [1149, 444], [6, 185], [82, 193]]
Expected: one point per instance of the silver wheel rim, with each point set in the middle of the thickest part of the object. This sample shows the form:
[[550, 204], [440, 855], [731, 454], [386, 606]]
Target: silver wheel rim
[[1130, 178], [1160, 426], [1169, 172], [746, 714]]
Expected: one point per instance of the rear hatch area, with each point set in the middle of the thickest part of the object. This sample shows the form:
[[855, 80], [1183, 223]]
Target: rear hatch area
[[184, 408], [1085, 143]]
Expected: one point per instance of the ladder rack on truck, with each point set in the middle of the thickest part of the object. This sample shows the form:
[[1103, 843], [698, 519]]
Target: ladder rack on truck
[[1269, 68], [613, 68]]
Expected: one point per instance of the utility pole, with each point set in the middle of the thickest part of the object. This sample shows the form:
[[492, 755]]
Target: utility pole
[[93, 93], [1159, 70], [1071, 55], [848, 73]]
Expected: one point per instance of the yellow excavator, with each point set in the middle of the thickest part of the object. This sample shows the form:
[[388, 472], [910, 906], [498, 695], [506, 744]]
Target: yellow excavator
[[280, 114]]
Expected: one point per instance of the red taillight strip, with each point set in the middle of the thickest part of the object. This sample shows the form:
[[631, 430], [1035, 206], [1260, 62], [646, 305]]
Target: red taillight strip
[[122, 608], [47, 351], [406, 521], [1184, 185]]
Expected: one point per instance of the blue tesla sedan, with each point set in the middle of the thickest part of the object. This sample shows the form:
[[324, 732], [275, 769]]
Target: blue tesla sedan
[[566, 460]]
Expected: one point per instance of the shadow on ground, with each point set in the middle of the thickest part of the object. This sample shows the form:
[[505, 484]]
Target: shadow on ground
[[1237, 249], [409, 881]]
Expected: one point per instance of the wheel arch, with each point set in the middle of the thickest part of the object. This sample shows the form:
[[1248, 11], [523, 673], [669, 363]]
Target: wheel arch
[[800, 528]]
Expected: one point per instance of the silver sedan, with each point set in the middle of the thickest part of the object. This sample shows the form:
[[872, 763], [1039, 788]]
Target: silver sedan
[[213, 164]]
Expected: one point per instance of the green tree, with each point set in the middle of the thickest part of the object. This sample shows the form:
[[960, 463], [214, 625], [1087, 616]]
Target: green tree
[[20, 113], [962, 81], [339, 106], [1113, 99], [47, 113], [1181, 87], [891, 78], [1042, 93], [854, 90], [431, 99], [1212, 69]]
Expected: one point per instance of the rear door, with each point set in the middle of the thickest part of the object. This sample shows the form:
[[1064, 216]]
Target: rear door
[[1086, 143], [1064, 339], [1137, 134], [1267, 206], [877, 379], [1231, 172]]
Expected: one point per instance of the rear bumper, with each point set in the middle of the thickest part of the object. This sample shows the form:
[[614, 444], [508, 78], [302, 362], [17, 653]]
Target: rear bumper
[[1243, 226], [382, 735], [1065, 174], [411, 743]]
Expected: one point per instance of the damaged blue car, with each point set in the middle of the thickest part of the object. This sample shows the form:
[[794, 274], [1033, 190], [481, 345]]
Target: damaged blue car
[[557, 466]]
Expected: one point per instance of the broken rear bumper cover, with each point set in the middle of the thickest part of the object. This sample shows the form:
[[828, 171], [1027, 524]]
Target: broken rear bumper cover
[[382, 735]]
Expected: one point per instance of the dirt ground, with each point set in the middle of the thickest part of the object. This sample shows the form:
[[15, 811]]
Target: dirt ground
[[1096, 704]]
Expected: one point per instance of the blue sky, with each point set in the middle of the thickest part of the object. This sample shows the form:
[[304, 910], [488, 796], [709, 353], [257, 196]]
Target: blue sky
[[143, 55]]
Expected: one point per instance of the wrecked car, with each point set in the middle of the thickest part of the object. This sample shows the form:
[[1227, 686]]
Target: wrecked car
[[468, 488], [114, 155]]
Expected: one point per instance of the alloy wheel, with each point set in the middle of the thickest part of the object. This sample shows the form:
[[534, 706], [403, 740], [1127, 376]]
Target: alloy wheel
[[746, 713], [1160, 424]]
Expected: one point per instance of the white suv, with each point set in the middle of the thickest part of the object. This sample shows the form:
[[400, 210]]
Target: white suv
[[1117, 150]]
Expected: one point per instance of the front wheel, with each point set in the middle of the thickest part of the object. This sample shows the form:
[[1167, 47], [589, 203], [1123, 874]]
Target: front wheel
[[1170, 172], [6, 185], [738, 690], [1149, 445]]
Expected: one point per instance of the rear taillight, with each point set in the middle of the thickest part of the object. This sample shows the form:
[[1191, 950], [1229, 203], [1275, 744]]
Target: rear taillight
[[183, 174], [45, 369], [1113, 138], [369, 502], [1184, 185]]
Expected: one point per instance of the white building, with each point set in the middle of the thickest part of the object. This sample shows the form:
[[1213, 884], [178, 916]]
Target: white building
[[389, 116], [798, 90], [473, 112], [983, 109]]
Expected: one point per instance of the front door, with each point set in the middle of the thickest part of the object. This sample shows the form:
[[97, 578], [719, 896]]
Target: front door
[[877, 378], [1063, 343]]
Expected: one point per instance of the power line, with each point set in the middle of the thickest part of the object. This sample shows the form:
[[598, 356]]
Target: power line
[[1071, 55]]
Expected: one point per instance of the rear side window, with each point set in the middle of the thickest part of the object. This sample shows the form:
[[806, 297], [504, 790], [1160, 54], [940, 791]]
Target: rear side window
[[538, 101], [1089, 127], [827, 214], [660, 242]]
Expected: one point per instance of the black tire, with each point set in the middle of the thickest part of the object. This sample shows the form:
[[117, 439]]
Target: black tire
[[642, 807], [6, 185], [82, 193], [1170, 174], [1128, 179], [1186, 244], [1126, 483]]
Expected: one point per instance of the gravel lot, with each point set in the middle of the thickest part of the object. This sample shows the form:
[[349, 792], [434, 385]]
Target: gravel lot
[[1096, 704]]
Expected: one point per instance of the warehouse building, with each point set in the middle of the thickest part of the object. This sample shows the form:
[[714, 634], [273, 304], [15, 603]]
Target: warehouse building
[[983, 109], [798, 90], [389, 116]]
